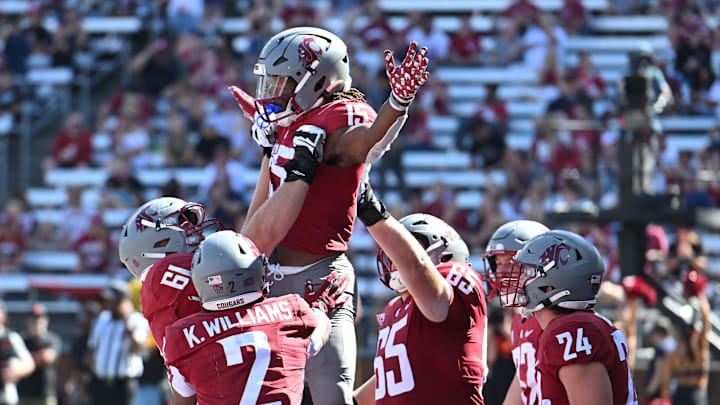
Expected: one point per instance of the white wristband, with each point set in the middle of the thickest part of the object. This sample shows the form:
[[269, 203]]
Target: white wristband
[[397, 104]]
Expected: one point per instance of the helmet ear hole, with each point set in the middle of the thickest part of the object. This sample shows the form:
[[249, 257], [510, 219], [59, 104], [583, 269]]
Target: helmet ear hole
[[242, 251], [319, 84], [161, 243]]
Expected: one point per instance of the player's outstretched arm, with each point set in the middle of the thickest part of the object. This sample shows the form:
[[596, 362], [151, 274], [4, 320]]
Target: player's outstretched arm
[[261, 191], [429, 290], [273, 219], [367, 143], [514, 394], [575, 377], [365, 394]]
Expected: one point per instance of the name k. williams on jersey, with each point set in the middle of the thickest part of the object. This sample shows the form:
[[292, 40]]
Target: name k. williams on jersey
[[260, 314]]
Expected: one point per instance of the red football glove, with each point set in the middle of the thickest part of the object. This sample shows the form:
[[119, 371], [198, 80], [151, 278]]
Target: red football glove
[[329, 295], [406, 79], [694, 283], [245, 102], [636, 286]]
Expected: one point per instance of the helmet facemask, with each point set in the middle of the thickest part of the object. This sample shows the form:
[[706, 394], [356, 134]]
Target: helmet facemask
[[511, 285], [388, 274], [493, 272], [275, 98], [190, 219]]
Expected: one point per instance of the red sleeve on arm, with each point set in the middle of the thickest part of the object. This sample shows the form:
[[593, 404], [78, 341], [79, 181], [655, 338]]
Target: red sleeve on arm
[[467, 305], [347, 114]]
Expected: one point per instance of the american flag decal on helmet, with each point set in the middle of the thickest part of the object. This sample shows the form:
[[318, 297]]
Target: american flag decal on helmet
[[214, 280]]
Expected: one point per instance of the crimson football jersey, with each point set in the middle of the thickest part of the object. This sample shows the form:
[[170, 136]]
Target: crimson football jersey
[[524, 338], [326, 219], [423, 362], [165, 293], [254, 354], [578, 338]]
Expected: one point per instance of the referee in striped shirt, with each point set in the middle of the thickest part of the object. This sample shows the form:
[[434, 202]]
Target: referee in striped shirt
[[115, 344]]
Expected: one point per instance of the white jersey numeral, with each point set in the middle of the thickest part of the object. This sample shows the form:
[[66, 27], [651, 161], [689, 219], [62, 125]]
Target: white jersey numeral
[[623, 353], [582, 344], [356, 115], [462, 279], [176, 277], [525, 354], [232, 346], [387, 382]]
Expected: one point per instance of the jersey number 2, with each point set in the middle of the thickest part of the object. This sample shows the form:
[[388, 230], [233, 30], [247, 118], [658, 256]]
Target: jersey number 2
[[406, 382], [232, 345]]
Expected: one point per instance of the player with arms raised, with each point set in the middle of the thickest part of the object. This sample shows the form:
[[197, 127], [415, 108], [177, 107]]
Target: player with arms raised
[[432, 337], [304, 87], [243, 348], [503, 245], [159, 238], [582, 357]]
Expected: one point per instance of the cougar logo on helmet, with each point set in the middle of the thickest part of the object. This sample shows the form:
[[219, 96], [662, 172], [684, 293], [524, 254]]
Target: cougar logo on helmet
[[146, 215], [555, 253], [309, 51]]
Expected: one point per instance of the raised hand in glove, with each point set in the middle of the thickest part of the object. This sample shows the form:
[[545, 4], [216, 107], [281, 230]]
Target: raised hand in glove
[[308, 142], [327, 295], [407, 78], [263, 133]]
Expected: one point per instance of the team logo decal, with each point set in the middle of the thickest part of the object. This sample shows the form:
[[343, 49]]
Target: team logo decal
[[218, 288], [146, 215], [309, 51], [559, 253]]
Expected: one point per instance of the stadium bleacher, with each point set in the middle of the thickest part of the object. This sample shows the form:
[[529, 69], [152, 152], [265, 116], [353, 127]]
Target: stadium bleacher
[[613, 37]]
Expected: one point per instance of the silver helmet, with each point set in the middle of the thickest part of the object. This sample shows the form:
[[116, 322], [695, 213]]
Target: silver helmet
[[508, 239], [228, 272], [555, 269], [159, 228], [441, 242], [297, 67]]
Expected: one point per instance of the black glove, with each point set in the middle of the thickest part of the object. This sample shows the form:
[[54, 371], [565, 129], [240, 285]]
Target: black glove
[[369, 209], [308, 142]]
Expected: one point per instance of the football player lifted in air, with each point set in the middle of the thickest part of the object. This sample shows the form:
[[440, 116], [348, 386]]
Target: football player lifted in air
[[244, 348], [432, 337], [157, 242], [304, 87], [503, 245], [555, 278]]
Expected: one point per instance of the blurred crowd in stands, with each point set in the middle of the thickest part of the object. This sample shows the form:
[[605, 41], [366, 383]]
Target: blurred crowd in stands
[[176, 111]]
